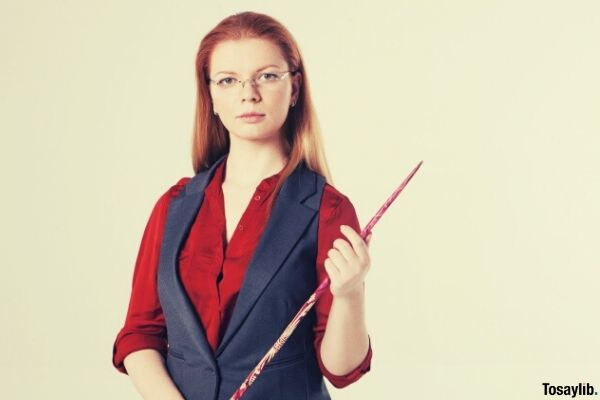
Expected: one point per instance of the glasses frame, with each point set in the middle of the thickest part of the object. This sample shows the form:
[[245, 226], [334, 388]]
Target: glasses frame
[[281, 74]]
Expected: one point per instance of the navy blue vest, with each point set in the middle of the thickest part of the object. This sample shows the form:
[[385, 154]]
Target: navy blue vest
[[279, 279]]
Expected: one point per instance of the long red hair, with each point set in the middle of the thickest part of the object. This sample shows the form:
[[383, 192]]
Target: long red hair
[[210, 138]]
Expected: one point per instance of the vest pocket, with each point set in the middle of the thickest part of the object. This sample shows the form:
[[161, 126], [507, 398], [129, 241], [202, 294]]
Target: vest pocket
[[284, 362], [175, 354], [282, 379]]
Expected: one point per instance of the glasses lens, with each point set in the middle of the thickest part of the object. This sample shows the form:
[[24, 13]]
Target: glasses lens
[[267, 80], [227, 82]]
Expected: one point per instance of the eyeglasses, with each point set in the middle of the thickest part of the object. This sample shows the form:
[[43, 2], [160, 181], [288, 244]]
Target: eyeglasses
[[267, 80]]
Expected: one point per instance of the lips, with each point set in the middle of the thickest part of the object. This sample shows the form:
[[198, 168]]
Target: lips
[[251, 114]]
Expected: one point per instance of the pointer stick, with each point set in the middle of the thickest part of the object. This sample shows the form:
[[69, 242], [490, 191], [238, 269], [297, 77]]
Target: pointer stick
[[314, 297]]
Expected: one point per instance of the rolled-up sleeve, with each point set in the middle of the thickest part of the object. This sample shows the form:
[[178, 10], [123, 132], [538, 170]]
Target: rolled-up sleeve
[[336, 209], [144, 326]]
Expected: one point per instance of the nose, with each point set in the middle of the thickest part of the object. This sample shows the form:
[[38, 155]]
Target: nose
[[250, 91]]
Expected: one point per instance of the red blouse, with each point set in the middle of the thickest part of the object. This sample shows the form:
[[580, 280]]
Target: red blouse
[[212, 270]]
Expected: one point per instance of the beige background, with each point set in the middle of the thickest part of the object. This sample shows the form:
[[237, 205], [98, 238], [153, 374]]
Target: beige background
[[485, 278]]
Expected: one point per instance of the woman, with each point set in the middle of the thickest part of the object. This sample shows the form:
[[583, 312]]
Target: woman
[[230, 255]]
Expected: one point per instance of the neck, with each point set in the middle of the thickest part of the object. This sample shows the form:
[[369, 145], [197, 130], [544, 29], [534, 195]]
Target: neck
[[249, 162]]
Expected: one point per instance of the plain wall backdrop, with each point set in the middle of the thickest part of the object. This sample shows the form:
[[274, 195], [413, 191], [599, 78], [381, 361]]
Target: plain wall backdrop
[[485, 279]]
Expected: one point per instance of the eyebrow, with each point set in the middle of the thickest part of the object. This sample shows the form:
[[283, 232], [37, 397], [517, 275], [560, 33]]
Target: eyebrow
[[260, 69]]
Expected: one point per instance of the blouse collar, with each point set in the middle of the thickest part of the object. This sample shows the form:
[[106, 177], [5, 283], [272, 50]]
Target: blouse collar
[[267, 185]]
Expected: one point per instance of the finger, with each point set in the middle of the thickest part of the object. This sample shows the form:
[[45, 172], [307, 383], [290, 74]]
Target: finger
[[351, 260], [358, 244], [345, 248], [332, 271], [339, 261]]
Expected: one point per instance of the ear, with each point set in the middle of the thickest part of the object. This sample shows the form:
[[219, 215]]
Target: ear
[[296, 84]]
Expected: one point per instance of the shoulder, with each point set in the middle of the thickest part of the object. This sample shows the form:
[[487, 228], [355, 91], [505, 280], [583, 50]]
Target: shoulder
[[159, 211], [334, 203], [175, 189], [336, 209], [172, 192]]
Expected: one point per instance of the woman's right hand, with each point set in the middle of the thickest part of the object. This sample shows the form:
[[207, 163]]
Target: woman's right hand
[[147, 370]]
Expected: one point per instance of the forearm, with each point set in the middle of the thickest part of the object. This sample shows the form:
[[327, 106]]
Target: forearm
[[345, 342], [147, 370]]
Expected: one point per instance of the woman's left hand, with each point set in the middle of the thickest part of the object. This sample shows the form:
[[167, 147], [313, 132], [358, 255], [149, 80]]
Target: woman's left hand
[[347, 263]]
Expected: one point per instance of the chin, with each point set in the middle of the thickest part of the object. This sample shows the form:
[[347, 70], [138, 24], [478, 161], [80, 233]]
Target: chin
[[246, 134], [255, 131]]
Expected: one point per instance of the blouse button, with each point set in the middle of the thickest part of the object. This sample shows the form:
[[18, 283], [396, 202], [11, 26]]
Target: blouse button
[[241, 227], [257, 197]]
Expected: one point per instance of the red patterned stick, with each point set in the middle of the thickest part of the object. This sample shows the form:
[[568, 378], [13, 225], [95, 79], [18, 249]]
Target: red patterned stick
[[314, 297]]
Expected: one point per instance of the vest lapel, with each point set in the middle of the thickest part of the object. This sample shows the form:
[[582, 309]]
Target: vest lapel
[[289, 218], [181, 214]]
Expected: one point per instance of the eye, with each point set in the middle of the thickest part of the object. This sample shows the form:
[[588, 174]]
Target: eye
[[268, 76], [226, 81]]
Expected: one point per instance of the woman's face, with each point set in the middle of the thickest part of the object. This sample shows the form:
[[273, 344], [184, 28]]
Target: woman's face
[[243, 59]]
